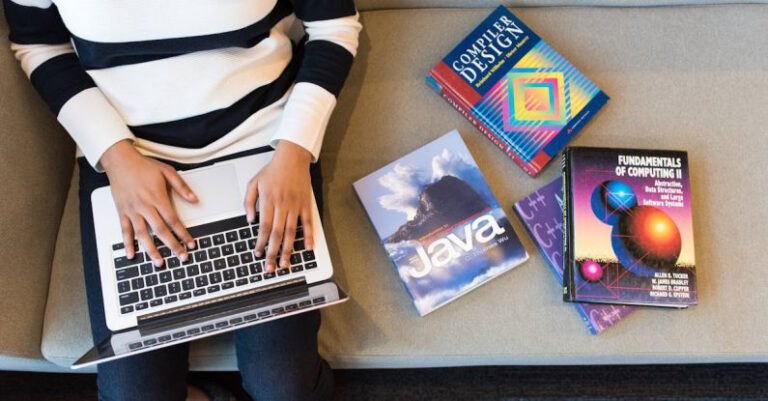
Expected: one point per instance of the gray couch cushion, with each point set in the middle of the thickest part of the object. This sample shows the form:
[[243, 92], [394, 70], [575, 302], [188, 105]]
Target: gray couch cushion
[[369, 5], [691, 77]]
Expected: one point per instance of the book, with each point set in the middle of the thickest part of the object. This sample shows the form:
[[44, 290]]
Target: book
[[628, 227], [515, 88], [439, 222], [542, 215]]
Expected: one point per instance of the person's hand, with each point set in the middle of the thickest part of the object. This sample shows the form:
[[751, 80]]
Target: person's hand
[[284, 191], [141, 190]]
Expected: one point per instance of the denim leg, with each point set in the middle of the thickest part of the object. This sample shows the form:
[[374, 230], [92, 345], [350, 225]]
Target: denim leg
[[279, 361], [157, 375]]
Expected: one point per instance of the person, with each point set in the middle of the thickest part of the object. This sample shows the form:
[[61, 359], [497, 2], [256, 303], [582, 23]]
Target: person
[[149, 88]]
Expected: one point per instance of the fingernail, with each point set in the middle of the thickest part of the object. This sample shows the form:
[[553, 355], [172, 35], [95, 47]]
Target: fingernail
[[250, 218], [191, 244], [157, 262], [257, 253], [191, 196]]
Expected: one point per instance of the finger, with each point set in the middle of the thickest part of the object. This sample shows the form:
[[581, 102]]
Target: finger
[[275, 239], [127, 227], [178, 184], [265, 227], [252, 193], [308, 223], [288, 238], [142, 234], [165, 234], [169, 216]]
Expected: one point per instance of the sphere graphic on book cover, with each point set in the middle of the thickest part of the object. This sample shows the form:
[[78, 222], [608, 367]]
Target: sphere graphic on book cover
[[591, 271], [644, 239]]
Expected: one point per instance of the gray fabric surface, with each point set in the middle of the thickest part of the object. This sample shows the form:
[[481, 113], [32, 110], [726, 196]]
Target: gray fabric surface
[[33, 150], [691, 78], [368, 5]]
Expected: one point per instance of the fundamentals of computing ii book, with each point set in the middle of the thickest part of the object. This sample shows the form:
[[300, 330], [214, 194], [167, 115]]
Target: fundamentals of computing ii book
[[439, 222], [515, 88], [629, 227], [542, 215]]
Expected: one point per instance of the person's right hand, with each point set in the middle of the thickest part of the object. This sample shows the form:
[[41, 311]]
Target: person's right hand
[[141, 189]]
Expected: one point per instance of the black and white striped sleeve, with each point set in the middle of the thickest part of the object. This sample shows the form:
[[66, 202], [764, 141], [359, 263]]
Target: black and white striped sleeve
[[332, 28], [41, 43]]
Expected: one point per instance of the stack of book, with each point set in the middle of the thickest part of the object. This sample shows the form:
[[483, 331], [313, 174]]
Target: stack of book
[[616, 228]]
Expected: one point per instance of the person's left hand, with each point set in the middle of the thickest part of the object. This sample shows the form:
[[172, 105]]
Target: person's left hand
[[284, 191]]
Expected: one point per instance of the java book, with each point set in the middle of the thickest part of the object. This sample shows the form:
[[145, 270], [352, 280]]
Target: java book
[[439, 222], [515, 88], [629, 229], [542, 215]]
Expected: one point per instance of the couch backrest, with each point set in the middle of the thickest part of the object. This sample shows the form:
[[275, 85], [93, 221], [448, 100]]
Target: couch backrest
[[390, 4]]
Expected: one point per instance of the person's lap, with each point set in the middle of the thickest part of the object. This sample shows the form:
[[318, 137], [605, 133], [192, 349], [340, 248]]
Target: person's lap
[[277, 360]]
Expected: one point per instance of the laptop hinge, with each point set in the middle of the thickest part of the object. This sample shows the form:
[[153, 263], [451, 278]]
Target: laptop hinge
[[205, 306]]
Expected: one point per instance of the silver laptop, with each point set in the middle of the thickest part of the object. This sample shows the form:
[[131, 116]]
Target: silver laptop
[[222, 280]]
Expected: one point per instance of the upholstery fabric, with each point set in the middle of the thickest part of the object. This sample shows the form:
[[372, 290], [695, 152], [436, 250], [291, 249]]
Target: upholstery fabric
[[692, 78], [368, 5]]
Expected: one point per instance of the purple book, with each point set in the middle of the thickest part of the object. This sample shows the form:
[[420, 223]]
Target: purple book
[[542, 215]]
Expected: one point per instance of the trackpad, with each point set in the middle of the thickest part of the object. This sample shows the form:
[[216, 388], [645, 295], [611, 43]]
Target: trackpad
[[217, 192]]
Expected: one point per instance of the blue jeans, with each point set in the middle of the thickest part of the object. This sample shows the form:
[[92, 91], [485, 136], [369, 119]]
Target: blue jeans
[[277, 360]]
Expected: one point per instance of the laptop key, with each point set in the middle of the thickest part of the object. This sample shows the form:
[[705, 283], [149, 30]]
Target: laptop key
[[165, 277], [208, 327], [193, 331], [130, 298], [242, 281], [283, 272], [123, 286], [155, 302], [213, 288], [304, 304], [185, 295], [146, 294], [295, 258], [201, 281], [205, 242], [229, 274], [164, 251], [297, 268], [231, 236], [117, 247], [215, 277], [246, 258], [255, 268], [218, 239], [188, 284], [318, 300], [264, 313], [236, 320], [227, 285], [149, 342], [171, 299], [255, 279], [252, 316], [214, 253], [245, 233], [233, 261], [151, 280], [129, 272], [201, 256], [291, 307], [126, 309], [206, 267], [268, 276], [179, 274], [227, 250], [199, 292], [174, 288], [173, 262], [193, 270], [311, 265], [252, 243], [161, 291], [142, 306], [308, 255], [146, 268], [134, 346], [219, 264], [164, 338], [298, 245], [242, 271], [241, 246], [137, 283]]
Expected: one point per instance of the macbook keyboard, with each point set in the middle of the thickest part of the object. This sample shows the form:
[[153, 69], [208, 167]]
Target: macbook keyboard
[[222, 260]]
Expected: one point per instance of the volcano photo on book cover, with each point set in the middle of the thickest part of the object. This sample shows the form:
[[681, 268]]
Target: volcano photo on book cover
[[439, 222]]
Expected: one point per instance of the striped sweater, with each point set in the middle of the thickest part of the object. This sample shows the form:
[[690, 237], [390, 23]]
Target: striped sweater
[[186, 80]]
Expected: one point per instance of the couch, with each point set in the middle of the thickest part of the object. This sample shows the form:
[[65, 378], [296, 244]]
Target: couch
[[682, 74]]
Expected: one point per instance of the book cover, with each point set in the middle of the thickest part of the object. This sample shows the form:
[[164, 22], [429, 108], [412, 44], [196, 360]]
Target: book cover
[[515, 88], [542, 215], [629, 227], [439, 222]]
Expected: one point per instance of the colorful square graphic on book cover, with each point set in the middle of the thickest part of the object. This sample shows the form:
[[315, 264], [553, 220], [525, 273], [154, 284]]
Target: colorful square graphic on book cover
[[536, 97], [632, 227], [542, 215], [541, 94], [439, 222]]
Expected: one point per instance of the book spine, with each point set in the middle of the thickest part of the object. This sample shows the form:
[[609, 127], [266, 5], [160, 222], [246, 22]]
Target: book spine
[[567, 234], [458, 102]]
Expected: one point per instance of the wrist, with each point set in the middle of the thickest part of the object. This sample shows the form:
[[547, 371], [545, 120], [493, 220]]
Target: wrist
[[293, 152], [116, 154]]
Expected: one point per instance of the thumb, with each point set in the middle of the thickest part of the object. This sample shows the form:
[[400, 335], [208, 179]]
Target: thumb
[[178, 184]]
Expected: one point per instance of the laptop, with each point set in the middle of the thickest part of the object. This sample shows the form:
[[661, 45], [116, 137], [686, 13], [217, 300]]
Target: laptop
[[221, 287]]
